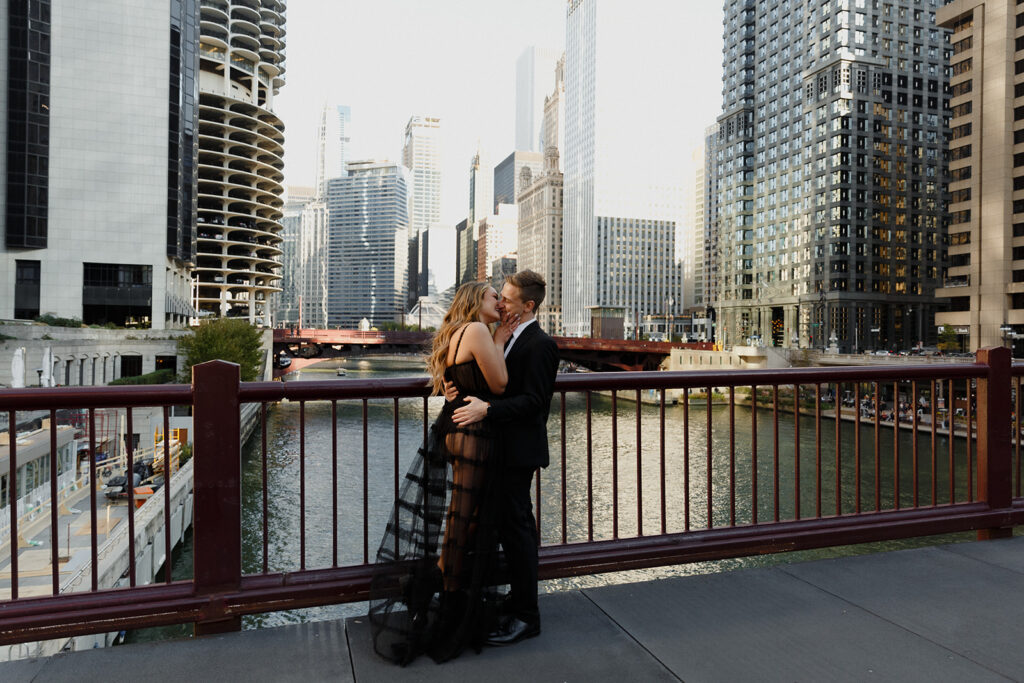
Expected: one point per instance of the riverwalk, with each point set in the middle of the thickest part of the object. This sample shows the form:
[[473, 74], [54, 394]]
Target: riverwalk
[[944, 613]]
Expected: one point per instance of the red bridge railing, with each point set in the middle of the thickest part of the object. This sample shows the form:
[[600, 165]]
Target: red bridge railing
[[634, 482]]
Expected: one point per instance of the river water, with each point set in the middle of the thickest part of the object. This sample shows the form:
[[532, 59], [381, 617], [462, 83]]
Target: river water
[[284, 467]]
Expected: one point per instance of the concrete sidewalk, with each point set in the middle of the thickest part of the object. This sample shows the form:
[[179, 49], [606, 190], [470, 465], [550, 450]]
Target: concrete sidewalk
[[947, 613]]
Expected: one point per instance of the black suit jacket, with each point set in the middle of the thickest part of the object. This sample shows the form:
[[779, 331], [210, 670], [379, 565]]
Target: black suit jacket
[[521, 413]]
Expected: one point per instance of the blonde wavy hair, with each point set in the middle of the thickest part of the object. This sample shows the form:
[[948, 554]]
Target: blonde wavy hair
[[465, 308]]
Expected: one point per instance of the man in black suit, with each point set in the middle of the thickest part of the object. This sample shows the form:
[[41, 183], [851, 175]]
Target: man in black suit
[[521, 414]]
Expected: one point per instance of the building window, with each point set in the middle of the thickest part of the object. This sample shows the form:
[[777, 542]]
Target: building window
[[26, 289], [182, 152], [131, 366], [28, 123], [116, 293]]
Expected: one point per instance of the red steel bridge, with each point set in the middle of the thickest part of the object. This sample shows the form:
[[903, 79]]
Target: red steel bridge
[[304, 347]]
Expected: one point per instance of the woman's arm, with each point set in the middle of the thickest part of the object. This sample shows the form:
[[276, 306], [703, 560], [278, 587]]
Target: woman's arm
[[488, 356]]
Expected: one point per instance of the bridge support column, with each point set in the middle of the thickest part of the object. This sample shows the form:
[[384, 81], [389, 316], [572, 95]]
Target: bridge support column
[[217, 517], [994, 451]]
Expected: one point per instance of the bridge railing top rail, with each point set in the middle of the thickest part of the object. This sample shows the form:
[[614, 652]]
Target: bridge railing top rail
[[668, 494], [404, 387], [41, 398], [181, 394]]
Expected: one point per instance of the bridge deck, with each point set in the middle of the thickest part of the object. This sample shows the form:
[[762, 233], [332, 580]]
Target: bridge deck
[[939, 613]]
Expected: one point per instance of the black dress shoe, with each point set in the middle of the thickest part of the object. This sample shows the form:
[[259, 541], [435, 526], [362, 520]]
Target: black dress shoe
[[512, 630]]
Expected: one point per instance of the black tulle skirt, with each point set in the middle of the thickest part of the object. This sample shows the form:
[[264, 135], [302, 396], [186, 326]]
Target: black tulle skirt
[[433, 591]]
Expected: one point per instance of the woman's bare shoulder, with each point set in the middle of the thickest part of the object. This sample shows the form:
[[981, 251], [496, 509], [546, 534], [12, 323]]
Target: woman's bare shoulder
[[477, 327]]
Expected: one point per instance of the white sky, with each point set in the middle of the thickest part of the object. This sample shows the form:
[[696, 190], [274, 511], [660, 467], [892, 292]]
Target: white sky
[[391, 59]]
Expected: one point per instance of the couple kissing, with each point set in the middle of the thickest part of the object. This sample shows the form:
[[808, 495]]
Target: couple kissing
[[467, 491]]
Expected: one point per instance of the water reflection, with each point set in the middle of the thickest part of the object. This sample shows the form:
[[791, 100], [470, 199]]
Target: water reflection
[[613, 464]]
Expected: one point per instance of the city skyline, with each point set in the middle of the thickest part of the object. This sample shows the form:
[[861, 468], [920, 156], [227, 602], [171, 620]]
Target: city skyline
[[472, 93]]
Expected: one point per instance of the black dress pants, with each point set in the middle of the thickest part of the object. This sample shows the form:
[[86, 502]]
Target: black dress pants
[[518, 535]]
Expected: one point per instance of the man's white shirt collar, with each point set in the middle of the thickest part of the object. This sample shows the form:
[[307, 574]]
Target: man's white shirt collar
[[515, 334]]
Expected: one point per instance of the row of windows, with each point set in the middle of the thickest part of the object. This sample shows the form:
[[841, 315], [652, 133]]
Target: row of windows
[[28, 128], [116, 275]]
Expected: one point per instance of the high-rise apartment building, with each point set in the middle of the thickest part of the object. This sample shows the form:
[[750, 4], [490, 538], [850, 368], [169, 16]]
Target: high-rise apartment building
[[623, 187], [367, 267], [534, 80], [241, 157], [831, 173], [539, 245], [421, 154], [98, 160], [508, 175], [985, 281], [286, 304]]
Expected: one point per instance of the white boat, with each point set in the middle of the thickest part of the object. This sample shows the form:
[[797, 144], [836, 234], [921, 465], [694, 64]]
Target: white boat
[[341, 372]]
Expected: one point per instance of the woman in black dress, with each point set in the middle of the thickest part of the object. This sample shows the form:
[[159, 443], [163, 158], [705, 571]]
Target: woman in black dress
[[430, 593]]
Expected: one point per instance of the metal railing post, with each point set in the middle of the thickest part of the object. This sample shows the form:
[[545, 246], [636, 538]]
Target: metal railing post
[[994, 452], [217, 517]]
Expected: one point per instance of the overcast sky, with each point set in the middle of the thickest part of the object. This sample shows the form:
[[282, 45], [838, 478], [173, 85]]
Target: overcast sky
[[391, 59]]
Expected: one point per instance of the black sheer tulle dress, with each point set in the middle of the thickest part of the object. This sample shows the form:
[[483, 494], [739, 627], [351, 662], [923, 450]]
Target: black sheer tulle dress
[[431, 592]]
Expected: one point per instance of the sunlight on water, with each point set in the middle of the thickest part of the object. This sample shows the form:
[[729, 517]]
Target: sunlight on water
[[686, 497]]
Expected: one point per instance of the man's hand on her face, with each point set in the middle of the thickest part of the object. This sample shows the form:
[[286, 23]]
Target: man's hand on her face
[[450, 392], [474, 411]]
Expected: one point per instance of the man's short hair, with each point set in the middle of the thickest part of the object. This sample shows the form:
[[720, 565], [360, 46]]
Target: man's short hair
[[531, 286]]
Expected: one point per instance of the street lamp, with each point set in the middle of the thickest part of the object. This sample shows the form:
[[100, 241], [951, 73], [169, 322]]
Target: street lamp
[[668, 314], [1006, 330], [909, 327]]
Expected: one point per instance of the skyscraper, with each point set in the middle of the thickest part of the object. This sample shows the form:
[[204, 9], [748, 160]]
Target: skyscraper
[[710, 256], [508, 175], [368, 215], [99, 174], [831, 173], [553, 124], [539, 244], [986, 265], [241, 164], [623, 187], [535, 70], [496, 237], [481, 188], [333, 137], [421, 154], [693, 230], [442, 253], [465, 252], [286, 304], [314, 259]]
